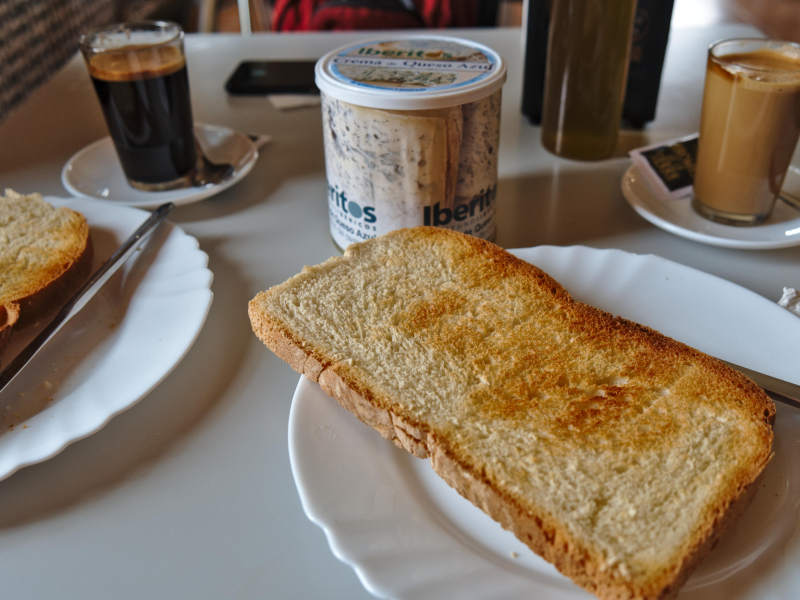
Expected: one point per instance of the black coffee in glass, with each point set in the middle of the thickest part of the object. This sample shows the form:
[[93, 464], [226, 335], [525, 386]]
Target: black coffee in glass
[[139, 74]]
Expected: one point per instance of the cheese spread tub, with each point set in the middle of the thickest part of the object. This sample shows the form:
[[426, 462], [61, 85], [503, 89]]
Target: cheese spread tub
[[411, 128]]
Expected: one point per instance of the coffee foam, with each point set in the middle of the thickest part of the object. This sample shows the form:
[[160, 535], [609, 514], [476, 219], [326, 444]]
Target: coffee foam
[[136, 62], [760, 69]]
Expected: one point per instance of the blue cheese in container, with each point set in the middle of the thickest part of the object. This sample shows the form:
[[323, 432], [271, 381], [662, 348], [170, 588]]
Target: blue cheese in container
[[411, 130]]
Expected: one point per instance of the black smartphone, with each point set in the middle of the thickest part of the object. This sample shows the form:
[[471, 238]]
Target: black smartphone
[[273, 77]]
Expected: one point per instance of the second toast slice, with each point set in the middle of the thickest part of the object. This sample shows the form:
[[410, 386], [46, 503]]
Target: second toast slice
[[45, 254]]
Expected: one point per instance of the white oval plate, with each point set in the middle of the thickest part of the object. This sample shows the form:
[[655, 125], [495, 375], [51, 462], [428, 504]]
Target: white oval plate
[[95, 171], [410, 536], [781, 230], [110, 355]]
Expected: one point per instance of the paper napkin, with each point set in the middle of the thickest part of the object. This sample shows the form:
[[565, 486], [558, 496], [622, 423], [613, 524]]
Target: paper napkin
[[790, 300]]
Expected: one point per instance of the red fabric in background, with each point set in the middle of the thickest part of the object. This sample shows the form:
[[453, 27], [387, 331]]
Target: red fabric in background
[[448, 13], [293, 15], [353, 19], [314, 15]]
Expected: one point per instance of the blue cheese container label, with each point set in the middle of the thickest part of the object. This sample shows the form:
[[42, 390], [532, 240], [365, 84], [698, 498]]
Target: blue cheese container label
[[413, 65], [389, 168]]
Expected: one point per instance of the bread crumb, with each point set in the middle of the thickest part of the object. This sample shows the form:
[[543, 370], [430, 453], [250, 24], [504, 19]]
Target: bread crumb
[[47, 384], [514, 555]]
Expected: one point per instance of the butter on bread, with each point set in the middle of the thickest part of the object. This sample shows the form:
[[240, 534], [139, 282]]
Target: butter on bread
[[45, 254], [616, 453]]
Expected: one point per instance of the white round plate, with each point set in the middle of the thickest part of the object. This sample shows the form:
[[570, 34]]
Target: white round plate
[[410, 536], [110, 355], [781, 230], [95, 171]]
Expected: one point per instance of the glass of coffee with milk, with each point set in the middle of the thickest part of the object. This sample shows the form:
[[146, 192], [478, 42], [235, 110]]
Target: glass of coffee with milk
[[749, 128], [139, 73]]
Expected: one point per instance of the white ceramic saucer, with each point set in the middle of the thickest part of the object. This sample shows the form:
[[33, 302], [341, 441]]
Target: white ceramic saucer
[[781, 230], [95, 171]]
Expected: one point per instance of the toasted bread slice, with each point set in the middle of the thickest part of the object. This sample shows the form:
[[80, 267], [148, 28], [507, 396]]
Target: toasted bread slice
[[45, 254], [9, 315], [616, 453]]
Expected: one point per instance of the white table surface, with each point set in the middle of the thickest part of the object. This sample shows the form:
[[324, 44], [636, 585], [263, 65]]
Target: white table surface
[[189, 494]]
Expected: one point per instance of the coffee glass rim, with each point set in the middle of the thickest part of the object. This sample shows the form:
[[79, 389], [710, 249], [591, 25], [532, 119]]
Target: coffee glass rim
[[85, 41], [721, 59]]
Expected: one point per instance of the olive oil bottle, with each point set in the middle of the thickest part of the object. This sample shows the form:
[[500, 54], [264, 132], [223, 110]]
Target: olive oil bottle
[[587, 65]]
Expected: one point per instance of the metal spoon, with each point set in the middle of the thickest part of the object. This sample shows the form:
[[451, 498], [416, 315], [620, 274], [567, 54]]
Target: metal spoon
[[207, 172], [790, 199]]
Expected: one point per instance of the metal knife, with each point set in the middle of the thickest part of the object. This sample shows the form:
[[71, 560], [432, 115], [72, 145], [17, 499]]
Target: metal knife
[[83, 295], [777, 389]]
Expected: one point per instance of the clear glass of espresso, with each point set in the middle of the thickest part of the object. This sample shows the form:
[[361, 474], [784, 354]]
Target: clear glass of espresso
[[749, 127], [139, 73]]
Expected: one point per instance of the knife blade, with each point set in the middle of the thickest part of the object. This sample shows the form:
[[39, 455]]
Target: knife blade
[[83, 295], [777, 389]]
